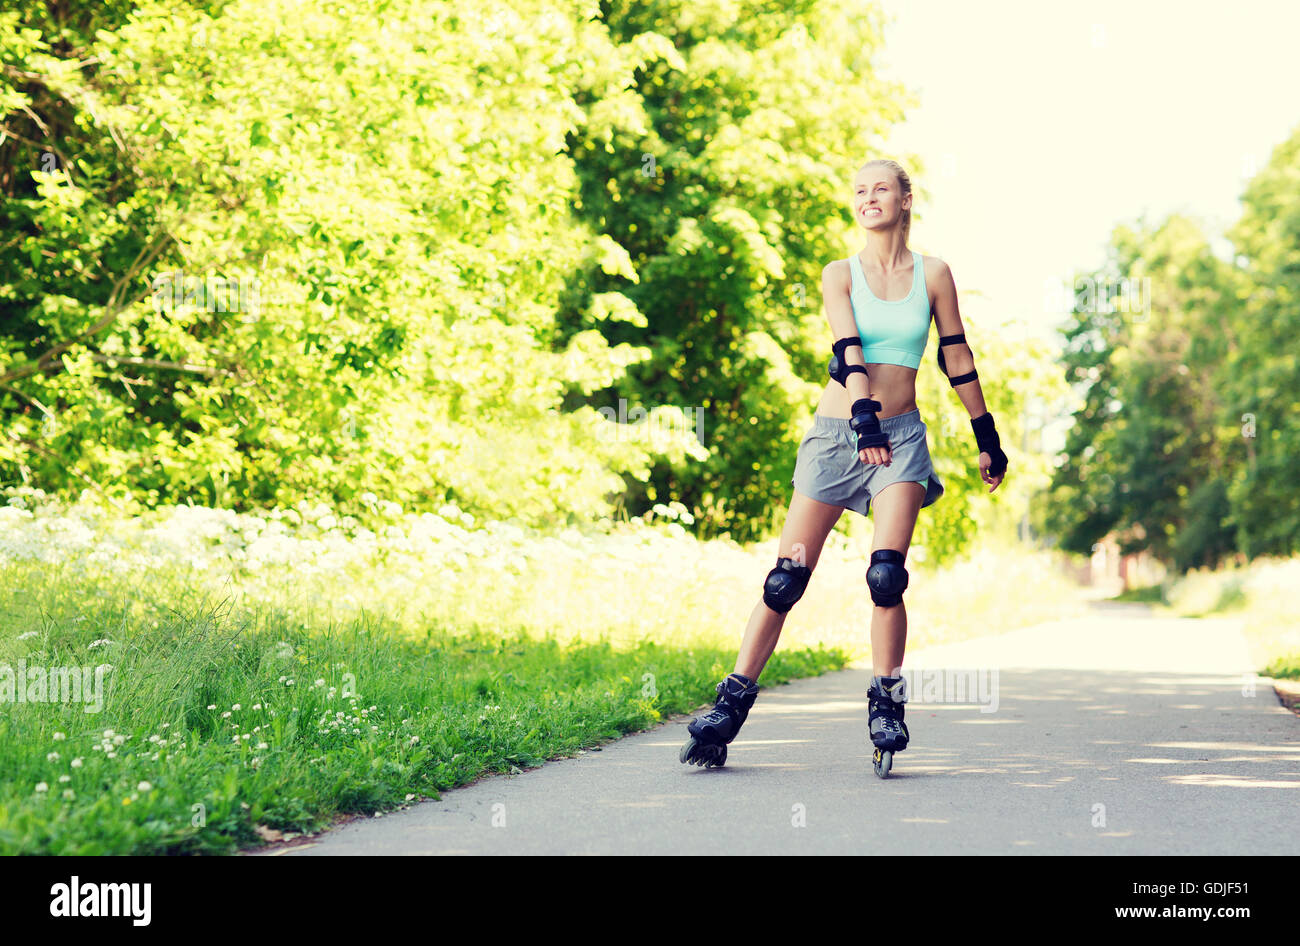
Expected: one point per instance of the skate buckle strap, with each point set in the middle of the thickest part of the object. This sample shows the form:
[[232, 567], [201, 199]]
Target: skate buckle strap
[[899, 687], [733, 700]]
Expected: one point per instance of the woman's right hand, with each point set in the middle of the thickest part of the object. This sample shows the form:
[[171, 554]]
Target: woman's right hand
[[881, 455], [873, 445]]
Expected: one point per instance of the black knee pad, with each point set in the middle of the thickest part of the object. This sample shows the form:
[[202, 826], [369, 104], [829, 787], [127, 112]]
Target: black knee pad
[[887, 578], [785, 584]]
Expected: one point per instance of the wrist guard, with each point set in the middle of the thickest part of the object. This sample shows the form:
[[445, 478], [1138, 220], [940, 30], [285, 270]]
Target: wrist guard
[[986, 438], [866, 424], [838, 370]]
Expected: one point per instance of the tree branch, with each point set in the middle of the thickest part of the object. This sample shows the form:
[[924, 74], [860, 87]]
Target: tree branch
[[31, 400], [64, 164], [156, 363], [71, 469], [115, 309]]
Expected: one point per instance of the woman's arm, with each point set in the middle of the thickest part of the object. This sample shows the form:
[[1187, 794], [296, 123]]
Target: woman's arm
[[955, 357], [873, 445], [839, 313], [958, 363]]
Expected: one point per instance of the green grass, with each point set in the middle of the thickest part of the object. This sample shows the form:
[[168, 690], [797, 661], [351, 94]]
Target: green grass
[[1284, 668], [1148, 594], [420, 712]]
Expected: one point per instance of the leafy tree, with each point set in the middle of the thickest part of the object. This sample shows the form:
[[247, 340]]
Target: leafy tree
[[1259, 377], [1144, 437], [383, 185], [1187, 427]]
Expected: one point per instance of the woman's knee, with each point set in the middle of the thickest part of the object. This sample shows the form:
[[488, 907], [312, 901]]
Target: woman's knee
[[786, 583], [887, 577], [806, 528]]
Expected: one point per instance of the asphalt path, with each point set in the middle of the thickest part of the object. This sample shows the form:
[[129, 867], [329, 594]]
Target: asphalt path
[[1118, 733]]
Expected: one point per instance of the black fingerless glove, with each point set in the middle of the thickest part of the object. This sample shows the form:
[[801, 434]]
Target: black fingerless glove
[[867, 425], [986, 438]]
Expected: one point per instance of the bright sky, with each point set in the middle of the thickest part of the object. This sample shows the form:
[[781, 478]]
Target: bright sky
[[1044, 125]]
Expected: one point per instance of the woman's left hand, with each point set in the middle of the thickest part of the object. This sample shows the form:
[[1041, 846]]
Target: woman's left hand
[[985, 462]]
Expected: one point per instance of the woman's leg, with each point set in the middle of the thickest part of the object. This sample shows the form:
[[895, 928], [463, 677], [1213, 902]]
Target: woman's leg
[[807, 523], [894, 511]]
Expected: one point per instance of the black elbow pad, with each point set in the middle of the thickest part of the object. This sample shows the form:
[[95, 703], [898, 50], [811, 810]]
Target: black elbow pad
[[838, 370], [957, 339]]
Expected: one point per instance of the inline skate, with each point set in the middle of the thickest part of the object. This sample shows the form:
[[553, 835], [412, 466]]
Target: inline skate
[[711, 732], [886, 697]]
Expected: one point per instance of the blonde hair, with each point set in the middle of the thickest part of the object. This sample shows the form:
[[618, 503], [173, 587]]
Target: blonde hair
[[904, 185]]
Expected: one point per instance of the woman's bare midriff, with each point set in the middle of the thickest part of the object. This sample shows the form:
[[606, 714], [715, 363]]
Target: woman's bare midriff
[[894, 386]]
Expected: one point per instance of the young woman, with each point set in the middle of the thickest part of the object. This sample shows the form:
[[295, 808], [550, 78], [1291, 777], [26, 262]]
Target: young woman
[[865, 451]]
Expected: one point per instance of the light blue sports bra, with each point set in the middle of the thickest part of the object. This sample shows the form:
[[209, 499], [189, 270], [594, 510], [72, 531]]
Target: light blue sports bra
[[892, 333]]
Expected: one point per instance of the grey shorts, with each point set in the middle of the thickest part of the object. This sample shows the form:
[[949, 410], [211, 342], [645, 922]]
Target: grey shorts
[[828, 469]]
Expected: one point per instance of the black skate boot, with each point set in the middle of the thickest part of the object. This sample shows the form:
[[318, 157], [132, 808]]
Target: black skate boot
[[885, 699], [711, 732]]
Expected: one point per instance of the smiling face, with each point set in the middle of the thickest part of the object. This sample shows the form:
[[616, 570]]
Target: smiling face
[[878, 201]]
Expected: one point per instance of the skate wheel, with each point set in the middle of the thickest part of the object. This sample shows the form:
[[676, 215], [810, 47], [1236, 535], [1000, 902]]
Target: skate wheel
[[702, 754], [882, 760], [687, 755]]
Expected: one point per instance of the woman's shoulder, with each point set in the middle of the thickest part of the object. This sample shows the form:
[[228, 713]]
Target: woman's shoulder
[[837, 273], [935, 271], [932, 266]]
